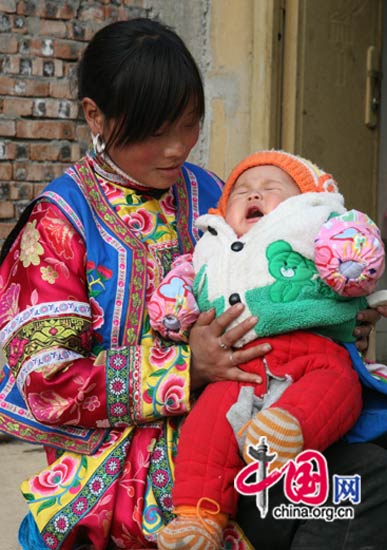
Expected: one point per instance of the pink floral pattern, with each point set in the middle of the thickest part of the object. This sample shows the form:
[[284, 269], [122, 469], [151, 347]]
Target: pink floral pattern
[[9, 307], [142, 222], [168, 204], [50, 481], [172, 394], [161, 356], [349, 254]]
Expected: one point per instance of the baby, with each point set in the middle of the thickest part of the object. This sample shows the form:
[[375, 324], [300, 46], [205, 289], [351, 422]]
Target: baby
[[282, 243]]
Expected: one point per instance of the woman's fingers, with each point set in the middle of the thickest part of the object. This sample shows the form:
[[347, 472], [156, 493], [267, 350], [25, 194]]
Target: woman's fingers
[[213, 357], [245, 355], [205, 318], [369, 316], [382, 310], [221, 323], [367, 319]]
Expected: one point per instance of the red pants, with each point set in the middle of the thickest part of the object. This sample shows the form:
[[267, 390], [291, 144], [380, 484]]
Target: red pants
[[325, 397]]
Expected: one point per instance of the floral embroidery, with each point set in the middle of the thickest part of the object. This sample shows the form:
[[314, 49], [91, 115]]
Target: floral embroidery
[[91, 403], [117, 382], [15, 350], [44, 334], [172, 394], [58, 477], [97, 314], [50, 540], [61, 523], [161, 479], [59, 235], [30, 247], [67, 477], [49, 274], [162, 355], [141, 222], [168, 204], [48, 406], [97, 277], [9, 303]]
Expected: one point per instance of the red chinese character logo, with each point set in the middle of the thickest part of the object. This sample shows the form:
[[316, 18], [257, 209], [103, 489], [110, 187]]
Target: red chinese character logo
[[305, 479]]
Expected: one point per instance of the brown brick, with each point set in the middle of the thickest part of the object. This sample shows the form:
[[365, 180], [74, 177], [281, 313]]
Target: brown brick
[[25, 86], [92, 13], [7, 85], [66, 11], [117, 13], [39, 66], [17, 106], [7, 210], [63, 151], [82, 133], [26, 8], [11, 64], [5, 171], [49, 9], [68, 49], [55, 108], [7, 150], [7, 128], [19, 24], [45, 129], [8, 6], [32, 87], [5, 23], [21, 191], [53, 28], [38, 188], [60, 88], [8, 43], [83, 31], [42, 46], [45, 151], [5, 229], [32, 171]]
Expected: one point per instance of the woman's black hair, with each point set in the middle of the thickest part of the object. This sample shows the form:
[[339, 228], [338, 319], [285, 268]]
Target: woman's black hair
[[141, 75]]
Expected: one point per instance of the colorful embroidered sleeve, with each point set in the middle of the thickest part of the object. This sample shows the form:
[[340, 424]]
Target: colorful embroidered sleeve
[[47, 334]]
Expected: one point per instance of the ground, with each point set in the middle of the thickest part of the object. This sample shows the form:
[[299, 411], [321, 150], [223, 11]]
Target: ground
[[17, 462]]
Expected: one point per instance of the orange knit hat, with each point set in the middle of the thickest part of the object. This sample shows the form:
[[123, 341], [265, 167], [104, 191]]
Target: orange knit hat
[[306, 175]]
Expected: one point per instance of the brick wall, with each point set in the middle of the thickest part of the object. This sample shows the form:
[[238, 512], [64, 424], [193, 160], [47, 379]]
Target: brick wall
[[41, 130]]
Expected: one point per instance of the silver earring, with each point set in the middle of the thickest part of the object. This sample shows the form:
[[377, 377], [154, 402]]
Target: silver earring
[[99, 144]]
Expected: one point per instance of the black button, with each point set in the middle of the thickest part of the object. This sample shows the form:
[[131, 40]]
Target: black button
[[234, 299], [237, 246], [212, 230]]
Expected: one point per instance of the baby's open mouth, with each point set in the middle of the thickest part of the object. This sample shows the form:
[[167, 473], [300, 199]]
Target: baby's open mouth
[[253, 212]]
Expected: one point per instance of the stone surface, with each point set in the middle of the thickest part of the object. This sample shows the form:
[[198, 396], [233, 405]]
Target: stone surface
[[17, 462]]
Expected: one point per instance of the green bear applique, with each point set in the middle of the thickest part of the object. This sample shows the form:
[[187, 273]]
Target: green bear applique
[[290, 269]]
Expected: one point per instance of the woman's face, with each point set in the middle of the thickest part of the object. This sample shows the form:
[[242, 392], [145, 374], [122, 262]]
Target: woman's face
[[156, 161]]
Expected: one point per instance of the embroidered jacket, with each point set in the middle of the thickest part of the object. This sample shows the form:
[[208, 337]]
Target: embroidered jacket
[[84, 371]]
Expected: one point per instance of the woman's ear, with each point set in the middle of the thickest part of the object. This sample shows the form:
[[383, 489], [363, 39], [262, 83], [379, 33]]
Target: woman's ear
[[93, 116]]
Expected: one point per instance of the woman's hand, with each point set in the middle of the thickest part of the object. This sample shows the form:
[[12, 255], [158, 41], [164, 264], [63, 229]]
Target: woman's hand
[[212, 356], [367, 319]]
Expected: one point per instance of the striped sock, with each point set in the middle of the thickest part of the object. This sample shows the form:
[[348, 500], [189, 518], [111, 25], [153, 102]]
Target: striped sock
[[194, 528], [283, 434]]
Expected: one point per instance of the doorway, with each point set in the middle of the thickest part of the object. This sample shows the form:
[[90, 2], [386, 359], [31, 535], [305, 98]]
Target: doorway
[[334, 108]]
